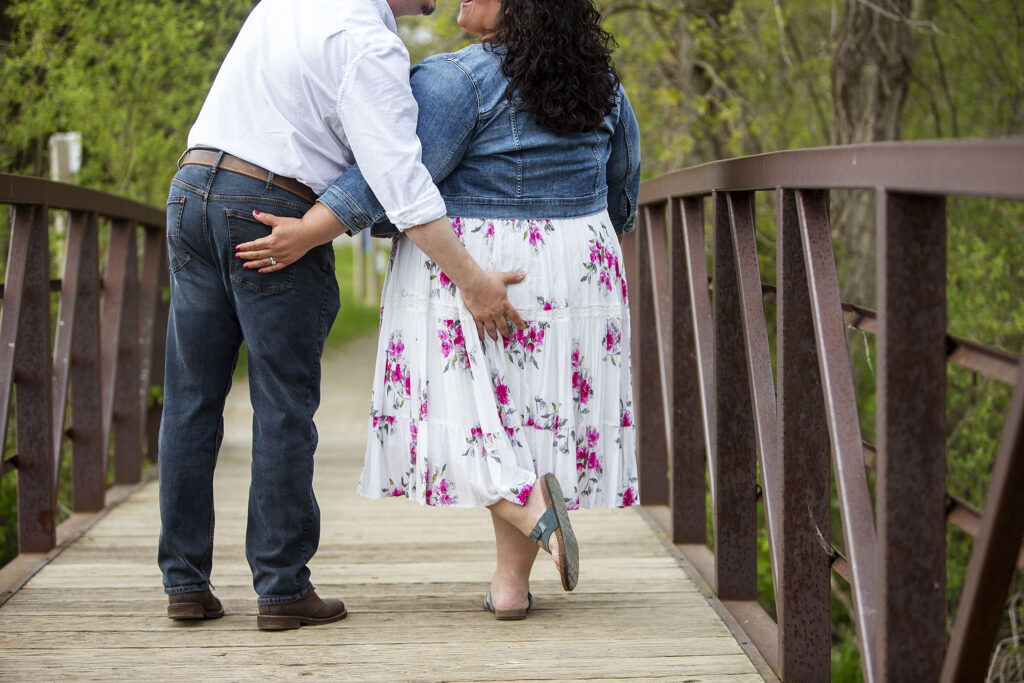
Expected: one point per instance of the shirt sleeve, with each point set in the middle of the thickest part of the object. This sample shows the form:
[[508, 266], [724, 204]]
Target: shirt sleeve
[[623, 171], [447, 115], [378, 114]]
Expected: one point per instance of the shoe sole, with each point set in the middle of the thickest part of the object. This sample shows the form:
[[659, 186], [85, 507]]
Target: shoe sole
[[191, 611], [569, 552], [288, 622]]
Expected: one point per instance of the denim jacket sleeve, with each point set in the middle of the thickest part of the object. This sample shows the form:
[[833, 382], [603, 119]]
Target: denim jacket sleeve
[[623, 170], [448, 107]]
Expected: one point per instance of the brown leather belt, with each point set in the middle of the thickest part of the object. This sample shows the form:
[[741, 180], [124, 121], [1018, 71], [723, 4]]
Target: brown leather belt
[[208, 157]]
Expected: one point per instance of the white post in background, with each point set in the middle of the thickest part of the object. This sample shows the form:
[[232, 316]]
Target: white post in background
[[65, 160]]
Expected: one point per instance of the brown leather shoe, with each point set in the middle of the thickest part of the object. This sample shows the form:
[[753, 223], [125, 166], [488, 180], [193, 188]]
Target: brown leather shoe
[[196, 605], [307, 611]]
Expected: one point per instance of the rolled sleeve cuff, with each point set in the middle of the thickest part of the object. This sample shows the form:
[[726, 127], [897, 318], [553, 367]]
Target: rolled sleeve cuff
[[424, 210], [347, 210]]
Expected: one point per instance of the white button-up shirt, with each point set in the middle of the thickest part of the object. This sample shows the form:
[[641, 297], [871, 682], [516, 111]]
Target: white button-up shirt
[[311, 87]]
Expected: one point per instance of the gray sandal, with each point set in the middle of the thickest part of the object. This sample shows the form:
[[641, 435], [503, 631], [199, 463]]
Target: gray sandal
[[507, 614], [555, 520]]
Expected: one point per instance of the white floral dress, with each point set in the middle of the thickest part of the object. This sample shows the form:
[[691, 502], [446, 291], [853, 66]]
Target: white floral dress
[[459, 422]]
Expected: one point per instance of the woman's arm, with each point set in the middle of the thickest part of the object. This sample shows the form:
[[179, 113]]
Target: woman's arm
[[623, 171]]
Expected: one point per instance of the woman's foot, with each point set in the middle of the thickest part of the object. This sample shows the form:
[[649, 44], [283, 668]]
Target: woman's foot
[[544, 521], [510, 584], [554, 532]]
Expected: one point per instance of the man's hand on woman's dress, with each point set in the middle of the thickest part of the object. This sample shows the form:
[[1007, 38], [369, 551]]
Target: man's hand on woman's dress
[[483, 292]]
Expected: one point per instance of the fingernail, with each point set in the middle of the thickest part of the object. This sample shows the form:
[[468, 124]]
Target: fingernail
[[237, 255], [246, 266], [256, 211]]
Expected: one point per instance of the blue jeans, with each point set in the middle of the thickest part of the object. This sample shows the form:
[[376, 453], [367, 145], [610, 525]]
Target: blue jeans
[[284, 318]]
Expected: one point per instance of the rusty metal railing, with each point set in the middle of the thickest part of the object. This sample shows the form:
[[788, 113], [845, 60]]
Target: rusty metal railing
[[707, 394], [107, 352]]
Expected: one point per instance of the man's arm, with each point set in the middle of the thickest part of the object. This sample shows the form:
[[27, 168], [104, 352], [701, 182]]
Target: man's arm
[[483, 292]]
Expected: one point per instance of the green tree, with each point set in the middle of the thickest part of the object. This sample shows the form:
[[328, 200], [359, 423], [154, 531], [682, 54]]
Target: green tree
[[129, 76]]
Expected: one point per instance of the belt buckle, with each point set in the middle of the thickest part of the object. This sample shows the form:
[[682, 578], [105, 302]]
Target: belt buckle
[[183, 156]]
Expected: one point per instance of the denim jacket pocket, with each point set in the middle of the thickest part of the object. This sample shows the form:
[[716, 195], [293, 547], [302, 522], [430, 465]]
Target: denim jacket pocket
[[244, 228], [177, 253]]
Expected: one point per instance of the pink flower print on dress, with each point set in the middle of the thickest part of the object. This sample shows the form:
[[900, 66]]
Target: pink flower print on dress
[[605, 279], [524, 493], [397, 493], [395, 347], [457, 226], [444, 282], [490, 230], [582, 456], [628, 497], [501, 391], [452, 340], [535, 235], [626, 420], [612, 337]]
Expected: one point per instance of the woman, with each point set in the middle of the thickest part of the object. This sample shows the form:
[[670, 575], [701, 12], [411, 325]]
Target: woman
[[534, 147]]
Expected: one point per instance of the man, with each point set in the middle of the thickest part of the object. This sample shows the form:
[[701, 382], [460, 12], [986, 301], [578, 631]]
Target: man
[[307, 90]]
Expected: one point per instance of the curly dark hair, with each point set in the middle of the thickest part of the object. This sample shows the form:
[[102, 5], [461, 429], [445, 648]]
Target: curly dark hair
[[559, 59]]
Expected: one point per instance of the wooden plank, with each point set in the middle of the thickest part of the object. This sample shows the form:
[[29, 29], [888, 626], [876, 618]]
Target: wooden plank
[[413, 581]]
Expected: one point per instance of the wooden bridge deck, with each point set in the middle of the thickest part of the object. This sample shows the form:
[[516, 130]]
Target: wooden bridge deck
[[413, 580]]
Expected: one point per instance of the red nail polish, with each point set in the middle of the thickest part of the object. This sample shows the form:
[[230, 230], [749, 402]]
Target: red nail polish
[[257, 212]]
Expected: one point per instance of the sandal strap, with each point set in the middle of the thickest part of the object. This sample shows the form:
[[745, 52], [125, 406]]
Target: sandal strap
[[545, 526]]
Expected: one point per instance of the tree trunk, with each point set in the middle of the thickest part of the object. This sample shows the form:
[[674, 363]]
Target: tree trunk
[[871, 72]]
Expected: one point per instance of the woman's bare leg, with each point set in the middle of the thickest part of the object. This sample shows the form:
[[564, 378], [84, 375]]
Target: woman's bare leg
[[516, 553]]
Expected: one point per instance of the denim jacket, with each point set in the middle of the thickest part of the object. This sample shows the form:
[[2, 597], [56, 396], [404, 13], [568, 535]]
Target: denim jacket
[[490, 159]]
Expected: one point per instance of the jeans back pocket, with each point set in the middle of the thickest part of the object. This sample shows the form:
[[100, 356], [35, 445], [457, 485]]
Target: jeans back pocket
[[177, 253], [243, 228]]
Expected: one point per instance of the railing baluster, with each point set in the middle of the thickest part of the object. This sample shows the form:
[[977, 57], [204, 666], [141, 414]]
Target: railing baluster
[[27, 303], [841, 407], [153, 264], [689, 518], [911, 481], [993, 556], [757, 358], [652, 446], [735, 504], [120, 382], [89, 475], [155, 411], [700, 308], [802, 588]]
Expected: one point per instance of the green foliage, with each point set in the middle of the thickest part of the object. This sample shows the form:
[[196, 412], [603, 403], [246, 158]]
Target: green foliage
[[129, 76]]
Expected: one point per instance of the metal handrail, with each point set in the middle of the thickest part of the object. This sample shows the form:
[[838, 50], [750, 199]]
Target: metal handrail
[[107, 351], [711, 399]]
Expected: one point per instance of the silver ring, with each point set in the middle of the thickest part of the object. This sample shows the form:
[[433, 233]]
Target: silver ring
[[272, 261]]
